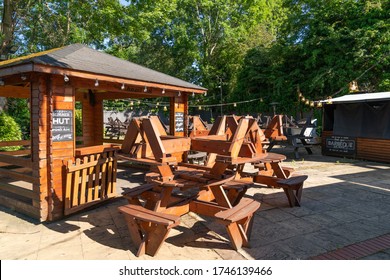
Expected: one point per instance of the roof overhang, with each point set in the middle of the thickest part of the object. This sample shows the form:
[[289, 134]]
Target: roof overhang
[[356, 98]]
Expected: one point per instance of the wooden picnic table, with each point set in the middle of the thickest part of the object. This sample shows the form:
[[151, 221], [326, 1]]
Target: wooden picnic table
[[192, 189]]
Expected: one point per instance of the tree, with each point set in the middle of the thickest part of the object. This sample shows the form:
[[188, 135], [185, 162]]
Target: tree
[[321, 47], [202, 41]]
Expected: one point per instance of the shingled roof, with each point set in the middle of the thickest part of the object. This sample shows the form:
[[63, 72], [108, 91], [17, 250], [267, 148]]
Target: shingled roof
[[79, 57]]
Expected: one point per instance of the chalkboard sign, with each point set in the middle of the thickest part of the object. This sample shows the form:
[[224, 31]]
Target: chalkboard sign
[[179, 122], [62, 125], [340, 145]]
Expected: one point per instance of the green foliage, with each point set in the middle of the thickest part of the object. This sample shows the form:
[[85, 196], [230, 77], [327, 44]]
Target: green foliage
[[18, 109], [321, 47], [9, 131], [79, 122]]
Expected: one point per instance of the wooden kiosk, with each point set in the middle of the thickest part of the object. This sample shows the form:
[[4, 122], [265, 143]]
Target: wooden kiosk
[[357, 126], [52, 176]]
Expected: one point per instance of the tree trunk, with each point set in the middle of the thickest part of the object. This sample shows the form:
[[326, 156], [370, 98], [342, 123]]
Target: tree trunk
[[6, 29]]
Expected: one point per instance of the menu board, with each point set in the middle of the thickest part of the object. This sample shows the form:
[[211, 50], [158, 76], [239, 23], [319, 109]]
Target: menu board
[[340, 145], [179, 122], [62, 125]]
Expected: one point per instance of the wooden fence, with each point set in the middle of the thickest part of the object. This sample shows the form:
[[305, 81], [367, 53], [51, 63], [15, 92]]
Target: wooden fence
[[89, 180]]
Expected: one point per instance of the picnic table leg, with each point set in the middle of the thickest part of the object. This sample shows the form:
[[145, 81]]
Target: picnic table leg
[[308, 149]]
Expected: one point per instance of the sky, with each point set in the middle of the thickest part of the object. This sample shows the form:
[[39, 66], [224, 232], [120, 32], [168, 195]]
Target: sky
[[123, 2]]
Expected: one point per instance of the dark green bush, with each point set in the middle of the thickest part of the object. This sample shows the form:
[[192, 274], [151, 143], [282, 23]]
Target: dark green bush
[[9, 131]]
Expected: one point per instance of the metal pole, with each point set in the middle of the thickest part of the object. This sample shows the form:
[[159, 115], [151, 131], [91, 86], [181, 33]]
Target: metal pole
[[220, 87]]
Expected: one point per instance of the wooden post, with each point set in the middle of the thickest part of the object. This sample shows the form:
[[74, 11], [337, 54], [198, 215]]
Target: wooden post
[[92, 118], [178, 115], [39, 120]]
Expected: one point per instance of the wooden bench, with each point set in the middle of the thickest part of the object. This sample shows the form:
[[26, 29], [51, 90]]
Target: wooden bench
[[293, 188], [148, 229], [238, 221]]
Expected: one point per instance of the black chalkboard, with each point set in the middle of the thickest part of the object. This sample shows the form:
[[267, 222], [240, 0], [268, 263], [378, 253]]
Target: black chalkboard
[[62, 125], [340, 145], [179, 122]]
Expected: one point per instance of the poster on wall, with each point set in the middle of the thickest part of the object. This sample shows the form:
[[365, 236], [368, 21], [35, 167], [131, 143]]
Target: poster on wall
[[340, 145], [62, 125], [179, 122]]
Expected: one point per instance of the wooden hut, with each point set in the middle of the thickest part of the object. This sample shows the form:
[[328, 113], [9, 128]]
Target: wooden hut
[[53, 176], [357, 126]]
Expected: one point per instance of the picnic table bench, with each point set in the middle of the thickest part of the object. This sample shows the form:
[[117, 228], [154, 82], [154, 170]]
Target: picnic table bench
[[148, 229]]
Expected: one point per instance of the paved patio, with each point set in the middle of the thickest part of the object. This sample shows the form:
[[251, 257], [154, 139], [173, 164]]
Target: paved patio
[[345, 205]]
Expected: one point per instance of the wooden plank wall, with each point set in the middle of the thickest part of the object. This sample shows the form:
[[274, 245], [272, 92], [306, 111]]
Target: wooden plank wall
[[63, 98], [373, 149]]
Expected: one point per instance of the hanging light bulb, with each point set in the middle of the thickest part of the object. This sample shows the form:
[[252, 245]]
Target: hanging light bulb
[[303, 99], [235, 104], [307, 102], [193, 94], [205, 94], [311, 103], [165, 108], [131, 103], [123, 86], [145, 89], [96, 83], [158, 103], [66, 78], [300, 94], [319, 105], [200, 107], [179, 94], [163, 91]]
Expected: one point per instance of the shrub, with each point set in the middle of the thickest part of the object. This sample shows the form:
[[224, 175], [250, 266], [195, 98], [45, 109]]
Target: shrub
[[9, 131]]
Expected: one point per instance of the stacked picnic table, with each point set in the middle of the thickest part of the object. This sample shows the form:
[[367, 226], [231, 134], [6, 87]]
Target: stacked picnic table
[[173, 187]]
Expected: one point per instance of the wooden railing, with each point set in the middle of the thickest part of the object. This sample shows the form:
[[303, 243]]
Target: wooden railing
[[90, 179], [17, 180], [23, 144]]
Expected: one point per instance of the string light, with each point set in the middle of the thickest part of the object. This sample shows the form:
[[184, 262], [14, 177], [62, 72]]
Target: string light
[[179, 94], [96, 83], [163, 91], [235, 104], [165, 108], [123, 86], [145, 89], [193, 94], [66, 78]]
